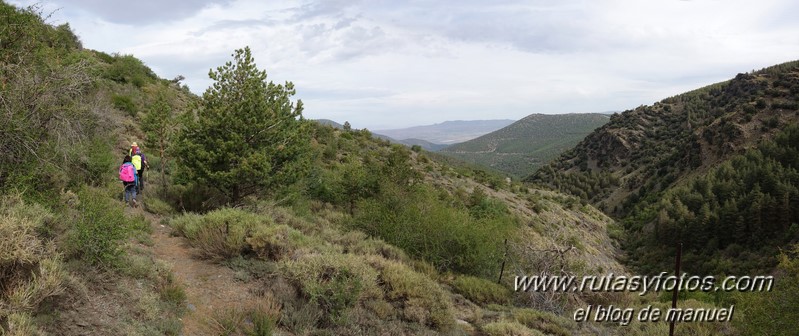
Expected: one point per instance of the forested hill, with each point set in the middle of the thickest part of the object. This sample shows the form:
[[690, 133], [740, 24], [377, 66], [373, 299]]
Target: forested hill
[[714, 168], [524, 146]]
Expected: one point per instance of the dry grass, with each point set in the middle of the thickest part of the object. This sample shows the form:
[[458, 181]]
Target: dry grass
[[30, 269], [481, 290], [255, 317], [218, 234], [546, 322], [505, 328], [419, 298]]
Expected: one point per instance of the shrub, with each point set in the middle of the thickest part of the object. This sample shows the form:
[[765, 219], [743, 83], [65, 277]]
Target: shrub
[[255, 318], [128, 69], [336, 282], [428, 228], [419, 298], [30, 270], [544, 321], [300, 316], [124, 103], [505, 328], [218, 234], [157, 206], [98, 230], [98, 161], [481, 290], [276, 242]]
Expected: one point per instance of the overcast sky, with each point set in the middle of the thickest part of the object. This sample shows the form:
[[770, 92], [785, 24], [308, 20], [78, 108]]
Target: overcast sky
[[387, 64]]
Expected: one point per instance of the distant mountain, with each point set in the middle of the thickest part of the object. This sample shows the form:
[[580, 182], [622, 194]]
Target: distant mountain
[[524, 146], [329, 122], [427, 145], [448, 132]]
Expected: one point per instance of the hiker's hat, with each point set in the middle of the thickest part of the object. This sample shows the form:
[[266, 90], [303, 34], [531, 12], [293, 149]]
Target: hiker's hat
[[134, 145]]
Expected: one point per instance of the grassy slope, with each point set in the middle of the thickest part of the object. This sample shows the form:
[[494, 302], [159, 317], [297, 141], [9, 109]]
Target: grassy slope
[[524, 146], [72, 258]]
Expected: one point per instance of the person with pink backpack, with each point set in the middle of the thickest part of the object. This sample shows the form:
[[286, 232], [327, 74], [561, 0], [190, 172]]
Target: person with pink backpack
[[129, 177]]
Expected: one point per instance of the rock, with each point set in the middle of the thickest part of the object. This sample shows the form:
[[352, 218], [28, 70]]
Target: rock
[[465, 326], [191, 307]]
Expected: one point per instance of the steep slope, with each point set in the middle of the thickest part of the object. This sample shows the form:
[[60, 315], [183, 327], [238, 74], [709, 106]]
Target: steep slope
[[448, 132], [683, 169], [524, 146]]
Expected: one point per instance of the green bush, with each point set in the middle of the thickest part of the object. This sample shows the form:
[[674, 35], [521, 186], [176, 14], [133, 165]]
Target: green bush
[[481, 291], [129, 69], [157, 206], [757, 313], [218, 234], [336, 282], [504, 328], [428, 228], [277, 241], [546, 322], [30, 269], [98, 230], [419, 298], [124, 103]]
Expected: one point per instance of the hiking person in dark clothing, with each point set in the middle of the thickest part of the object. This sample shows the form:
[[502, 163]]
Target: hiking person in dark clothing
[[140, 162]]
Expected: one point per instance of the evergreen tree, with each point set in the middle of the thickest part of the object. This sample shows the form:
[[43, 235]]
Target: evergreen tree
[[247, 134], [159, 127]]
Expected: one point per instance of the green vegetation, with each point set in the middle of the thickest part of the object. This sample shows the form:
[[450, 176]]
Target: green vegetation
[[481, 290], [522, 147], [714, 168], [730, 219], [427, 228], [777, 311], [63, 234], [335, 231], [246, 137]]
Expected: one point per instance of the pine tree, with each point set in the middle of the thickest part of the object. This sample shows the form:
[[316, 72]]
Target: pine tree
[[247, 135], [159, 126]]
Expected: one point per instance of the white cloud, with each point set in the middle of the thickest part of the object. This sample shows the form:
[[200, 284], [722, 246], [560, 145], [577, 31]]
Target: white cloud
[[387, 64]]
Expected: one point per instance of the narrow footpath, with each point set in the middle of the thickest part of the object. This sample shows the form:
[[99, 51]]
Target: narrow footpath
[[210, 288]]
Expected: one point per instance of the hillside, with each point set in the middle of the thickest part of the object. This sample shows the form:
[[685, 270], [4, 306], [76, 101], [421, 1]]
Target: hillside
[[256, 221], [448, 132], [524, 146], [706, 167], [340, 233]]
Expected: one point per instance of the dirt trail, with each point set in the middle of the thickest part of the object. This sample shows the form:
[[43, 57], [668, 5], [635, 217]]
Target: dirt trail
[[210, 288]]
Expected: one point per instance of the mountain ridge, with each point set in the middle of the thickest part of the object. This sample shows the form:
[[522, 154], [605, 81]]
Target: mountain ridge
[[523, 146]]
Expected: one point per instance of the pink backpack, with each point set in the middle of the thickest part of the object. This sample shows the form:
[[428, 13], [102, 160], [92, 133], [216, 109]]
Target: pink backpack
[[127, 173]]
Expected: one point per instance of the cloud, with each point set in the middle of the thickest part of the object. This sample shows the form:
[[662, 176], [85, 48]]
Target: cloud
[[388, 64], [141, 11]]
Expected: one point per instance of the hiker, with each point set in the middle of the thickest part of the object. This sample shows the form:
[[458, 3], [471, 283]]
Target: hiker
[[140, 162], [127, 173]]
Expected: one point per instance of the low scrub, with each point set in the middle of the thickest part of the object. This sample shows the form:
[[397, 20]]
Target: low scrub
[[548, 323], [428, 228], [277, 241], [218, 234], [256, 317], [31, 270], [419, 298], [505, 328], [336, 282], [155, 205], [481, 290], [98, 229]]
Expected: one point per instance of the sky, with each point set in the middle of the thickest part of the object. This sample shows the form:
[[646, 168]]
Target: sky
[[383, 64]]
